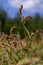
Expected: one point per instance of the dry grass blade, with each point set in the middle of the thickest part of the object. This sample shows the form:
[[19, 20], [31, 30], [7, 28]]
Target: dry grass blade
[[28, 60], [12, 28]]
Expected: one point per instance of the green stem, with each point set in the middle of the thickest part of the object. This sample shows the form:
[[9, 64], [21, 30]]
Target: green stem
[[26, 30]]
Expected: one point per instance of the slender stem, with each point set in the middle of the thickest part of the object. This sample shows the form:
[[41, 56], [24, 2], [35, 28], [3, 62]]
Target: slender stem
[[26, 30]]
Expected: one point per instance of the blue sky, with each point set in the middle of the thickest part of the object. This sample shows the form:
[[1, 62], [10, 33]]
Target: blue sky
[[30, 7]]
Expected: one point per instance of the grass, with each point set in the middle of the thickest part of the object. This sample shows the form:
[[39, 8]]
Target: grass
[[12, 55]]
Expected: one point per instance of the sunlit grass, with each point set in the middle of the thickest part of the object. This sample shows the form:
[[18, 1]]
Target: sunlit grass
[[12, 58]]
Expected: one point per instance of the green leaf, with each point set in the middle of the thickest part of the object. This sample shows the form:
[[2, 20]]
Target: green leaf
[[16, 58], [10, 51], [5, 63]]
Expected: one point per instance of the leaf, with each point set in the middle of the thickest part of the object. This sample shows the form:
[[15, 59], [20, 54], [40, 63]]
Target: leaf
[[16, 58], [10, 51], [5, 63]]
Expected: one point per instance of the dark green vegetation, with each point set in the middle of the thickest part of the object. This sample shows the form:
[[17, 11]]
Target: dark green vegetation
[[31, 24], [13, 51]]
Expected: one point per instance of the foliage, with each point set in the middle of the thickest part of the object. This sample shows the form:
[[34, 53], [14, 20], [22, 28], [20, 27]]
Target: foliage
[[3, 15], [11, 55]]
